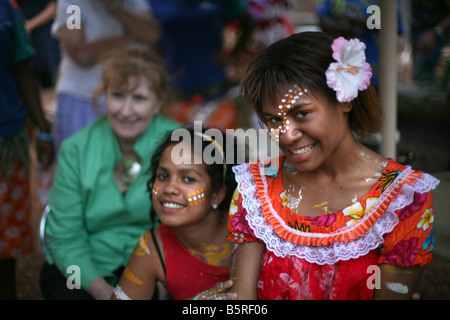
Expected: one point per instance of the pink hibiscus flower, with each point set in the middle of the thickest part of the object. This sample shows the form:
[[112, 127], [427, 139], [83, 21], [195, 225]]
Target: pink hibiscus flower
[[403, 254], [239, 223], [325, 220], [416, 205]]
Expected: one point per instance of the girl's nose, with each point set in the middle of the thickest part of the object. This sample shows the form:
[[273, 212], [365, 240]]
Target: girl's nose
[[290, 133], [172, 187]]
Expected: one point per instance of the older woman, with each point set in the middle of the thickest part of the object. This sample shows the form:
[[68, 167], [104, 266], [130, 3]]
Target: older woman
[[98, 202]]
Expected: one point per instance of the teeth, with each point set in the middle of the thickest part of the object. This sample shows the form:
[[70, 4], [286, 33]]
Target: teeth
[[172, 205], [302, 150]]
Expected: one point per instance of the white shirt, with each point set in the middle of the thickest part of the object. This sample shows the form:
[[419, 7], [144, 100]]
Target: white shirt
[[97, 23]]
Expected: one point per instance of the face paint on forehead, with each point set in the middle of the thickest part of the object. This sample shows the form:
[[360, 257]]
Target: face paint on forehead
[[287, 102]]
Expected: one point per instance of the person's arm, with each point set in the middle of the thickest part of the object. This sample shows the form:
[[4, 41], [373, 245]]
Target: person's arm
[[141, 273], [68, 237], [85, 53], [397, 283], [245, 270], [29, 92], [407, 248], [142, 26], [42, 17]]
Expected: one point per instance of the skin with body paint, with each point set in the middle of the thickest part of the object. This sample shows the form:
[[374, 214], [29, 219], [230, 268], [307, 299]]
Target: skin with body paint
[[325, 167], [184, 200], [327, 170]]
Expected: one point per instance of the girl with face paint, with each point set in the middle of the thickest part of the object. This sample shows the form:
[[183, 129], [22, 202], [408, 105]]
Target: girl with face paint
[[311, 224], [189, 252]]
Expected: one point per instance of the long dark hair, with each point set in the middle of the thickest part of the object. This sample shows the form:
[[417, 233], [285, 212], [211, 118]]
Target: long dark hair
[[215, 170]]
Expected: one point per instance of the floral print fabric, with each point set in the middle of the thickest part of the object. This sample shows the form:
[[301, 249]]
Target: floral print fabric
[[15, 212], [406, 241]]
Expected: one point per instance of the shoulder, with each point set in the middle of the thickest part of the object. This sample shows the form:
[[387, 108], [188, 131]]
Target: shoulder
[[91, 135], [158, 130], [163, 121], [404, 180], [87, 143]]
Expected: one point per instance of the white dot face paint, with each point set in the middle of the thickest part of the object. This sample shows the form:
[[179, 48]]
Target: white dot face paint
[[397, 287], [288, 100]]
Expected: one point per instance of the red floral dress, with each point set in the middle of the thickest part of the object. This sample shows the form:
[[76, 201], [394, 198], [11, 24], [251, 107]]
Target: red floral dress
[[330, 256]]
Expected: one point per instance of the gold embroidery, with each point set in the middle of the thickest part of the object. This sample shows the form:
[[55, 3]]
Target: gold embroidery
[[213, 258]]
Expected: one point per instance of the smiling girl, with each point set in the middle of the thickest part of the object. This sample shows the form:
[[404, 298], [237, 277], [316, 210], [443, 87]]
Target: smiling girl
[[333, 211], [189, 251]]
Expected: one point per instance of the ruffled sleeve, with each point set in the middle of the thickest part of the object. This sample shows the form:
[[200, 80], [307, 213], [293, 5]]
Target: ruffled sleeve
[[239, 230], [411, 241]]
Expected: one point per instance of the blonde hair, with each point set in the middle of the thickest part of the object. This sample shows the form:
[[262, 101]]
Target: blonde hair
[[122, 64]]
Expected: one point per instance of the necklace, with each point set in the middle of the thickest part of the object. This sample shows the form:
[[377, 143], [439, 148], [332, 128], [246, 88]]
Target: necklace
[[130, 171]]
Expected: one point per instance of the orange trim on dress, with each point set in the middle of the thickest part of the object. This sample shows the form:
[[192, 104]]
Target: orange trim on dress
[[306, 238]]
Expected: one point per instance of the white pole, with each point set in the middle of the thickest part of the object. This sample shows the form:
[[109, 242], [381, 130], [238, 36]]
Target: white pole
[[388, 77]]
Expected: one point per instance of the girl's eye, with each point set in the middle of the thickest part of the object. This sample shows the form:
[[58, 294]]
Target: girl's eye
[[274, 120], [162, 176], [301, 114], [189, 179]]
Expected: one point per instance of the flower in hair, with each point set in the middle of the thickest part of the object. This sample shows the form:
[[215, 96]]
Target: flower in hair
[[351, 72]]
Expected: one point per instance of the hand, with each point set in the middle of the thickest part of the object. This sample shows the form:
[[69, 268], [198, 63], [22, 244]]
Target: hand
[[100, 289], [217, 292]]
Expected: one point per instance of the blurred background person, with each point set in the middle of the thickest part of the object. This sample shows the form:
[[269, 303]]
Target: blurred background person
[[193, 46], [104, 25], [39, 15], [21, 113], [430, 25], [99, 205], [348, 18], [272, 22]]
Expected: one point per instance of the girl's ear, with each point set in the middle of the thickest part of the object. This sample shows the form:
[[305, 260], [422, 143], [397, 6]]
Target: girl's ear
[[346, 106], [219, 195]]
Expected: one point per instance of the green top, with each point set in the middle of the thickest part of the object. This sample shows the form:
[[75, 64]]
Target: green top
[[91, 224]]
